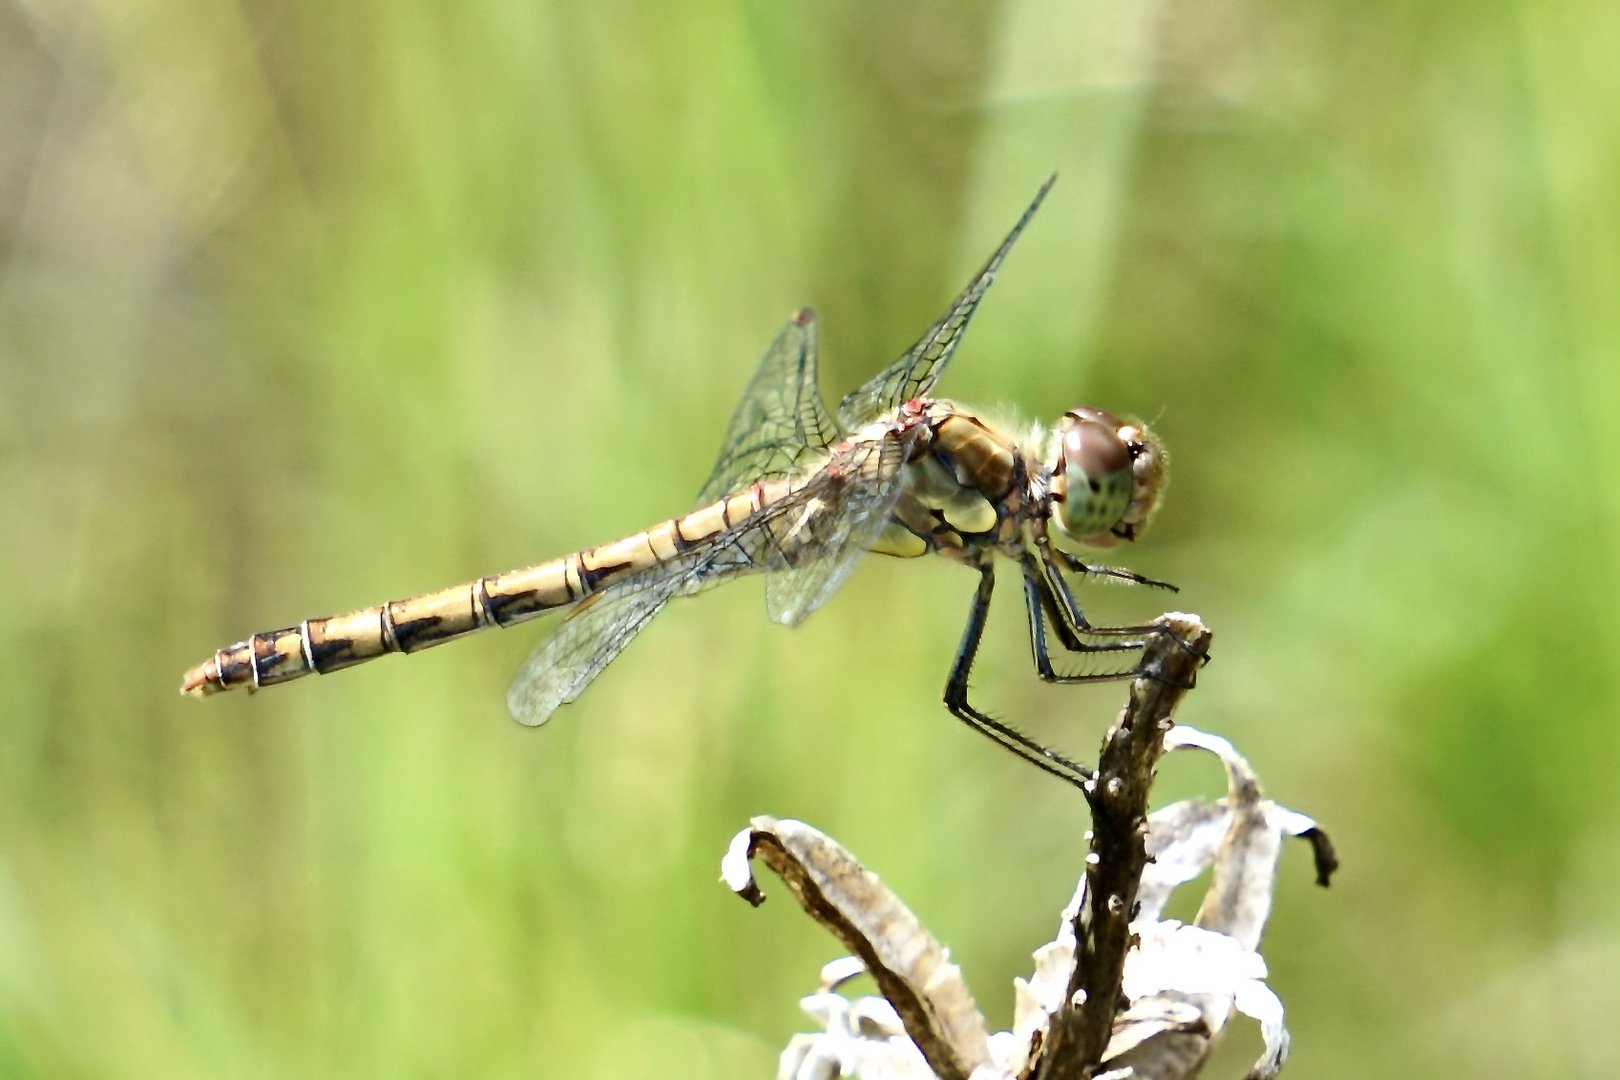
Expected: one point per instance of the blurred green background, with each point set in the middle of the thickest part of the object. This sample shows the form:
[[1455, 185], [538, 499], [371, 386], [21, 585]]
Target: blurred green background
[[305, 306]]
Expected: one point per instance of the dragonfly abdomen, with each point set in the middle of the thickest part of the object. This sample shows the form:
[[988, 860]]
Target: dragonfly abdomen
[[318, 646]]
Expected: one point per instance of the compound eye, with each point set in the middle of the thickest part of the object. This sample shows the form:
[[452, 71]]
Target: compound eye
[[1092, 449], [1090, 414], [1097, 482]]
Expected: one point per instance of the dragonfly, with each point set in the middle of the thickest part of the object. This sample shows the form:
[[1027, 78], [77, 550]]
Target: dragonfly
[[799, 494]]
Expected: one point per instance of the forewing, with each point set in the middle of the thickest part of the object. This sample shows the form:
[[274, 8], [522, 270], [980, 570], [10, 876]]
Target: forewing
[[915, 373], [834, 520], [781, 420]]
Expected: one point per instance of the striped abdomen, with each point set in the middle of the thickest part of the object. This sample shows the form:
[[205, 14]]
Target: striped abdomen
[[404, 626]]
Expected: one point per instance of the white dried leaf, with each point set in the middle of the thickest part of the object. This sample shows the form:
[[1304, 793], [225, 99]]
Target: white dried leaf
[[923, 988], [1184, 981]]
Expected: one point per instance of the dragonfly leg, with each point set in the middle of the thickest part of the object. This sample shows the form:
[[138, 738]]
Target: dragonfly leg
[[1059, 599], [956, 696], [1075, 565], [1044, 610]]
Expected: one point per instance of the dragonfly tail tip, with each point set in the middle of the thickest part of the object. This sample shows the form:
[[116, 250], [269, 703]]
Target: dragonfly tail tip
[[201, 680]]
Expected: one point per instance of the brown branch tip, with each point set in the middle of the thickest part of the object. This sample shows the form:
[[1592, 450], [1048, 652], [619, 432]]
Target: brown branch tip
[[1120, 991]]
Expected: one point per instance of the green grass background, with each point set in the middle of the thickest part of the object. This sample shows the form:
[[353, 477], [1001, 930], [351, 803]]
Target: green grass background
[[304, 306]]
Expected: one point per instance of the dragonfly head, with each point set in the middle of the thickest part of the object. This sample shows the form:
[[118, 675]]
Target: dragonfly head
[[1106, 477]]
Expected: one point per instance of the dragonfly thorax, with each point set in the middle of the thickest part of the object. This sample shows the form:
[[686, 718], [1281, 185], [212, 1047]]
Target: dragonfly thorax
[[1106, 477]]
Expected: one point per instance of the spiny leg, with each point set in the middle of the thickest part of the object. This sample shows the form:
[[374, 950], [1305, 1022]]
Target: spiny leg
[[1066, 609], [1053, 556], [956, 690], [1044, 610], [1039, 600]]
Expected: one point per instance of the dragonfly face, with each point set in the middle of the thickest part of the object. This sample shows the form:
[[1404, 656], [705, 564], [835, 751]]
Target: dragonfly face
[[1107, 475]]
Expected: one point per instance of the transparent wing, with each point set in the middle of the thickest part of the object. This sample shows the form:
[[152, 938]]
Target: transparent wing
[[810, 539], [781, 421], [916, 372], [834, 525], [568, 661], [597, 631]]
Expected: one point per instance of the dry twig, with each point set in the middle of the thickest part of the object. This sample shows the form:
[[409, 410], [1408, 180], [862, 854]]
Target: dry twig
[[1121, 991]]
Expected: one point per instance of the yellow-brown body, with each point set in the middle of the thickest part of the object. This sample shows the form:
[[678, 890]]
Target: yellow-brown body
[[965, 488]]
